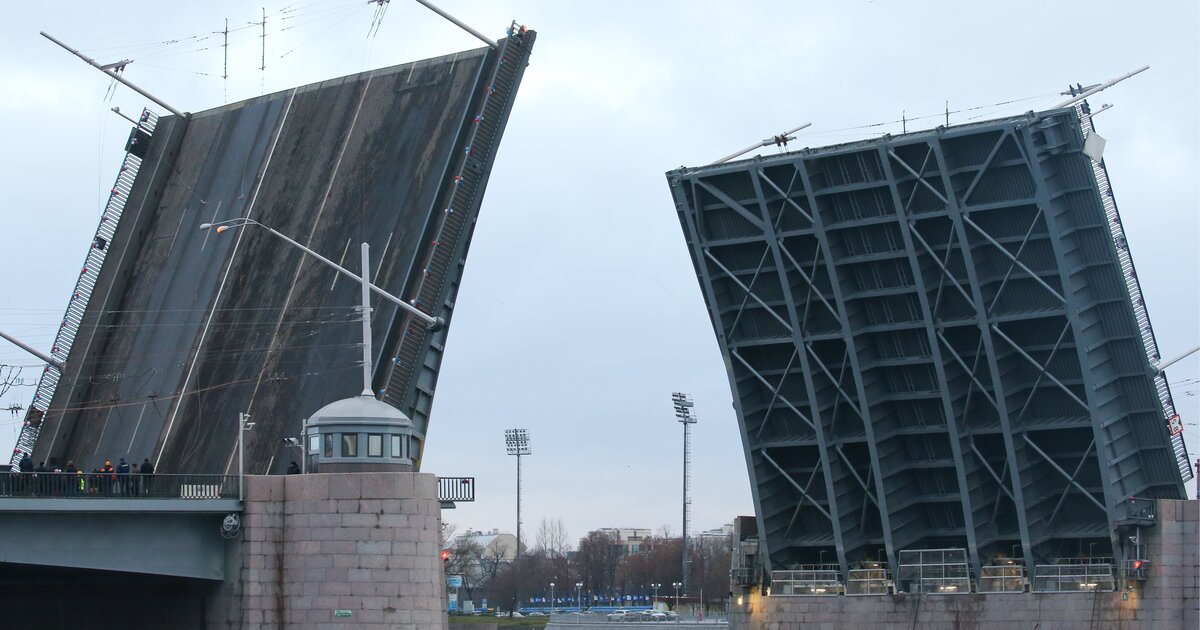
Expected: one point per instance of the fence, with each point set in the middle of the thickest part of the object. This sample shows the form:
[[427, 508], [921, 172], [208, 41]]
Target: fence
[[1074, 577], [870, 581], [818, 580], [114, 485], [456, 489], [935, 571], [1002, 578]]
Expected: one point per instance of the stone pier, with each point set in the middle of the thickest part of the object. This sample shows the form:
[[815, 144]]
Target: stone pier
[[1168, 599], [349, 550]]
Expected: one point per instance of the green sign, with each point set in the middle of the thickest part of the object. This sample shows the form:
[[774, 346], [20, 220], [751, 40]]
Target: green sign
[[342, 613]]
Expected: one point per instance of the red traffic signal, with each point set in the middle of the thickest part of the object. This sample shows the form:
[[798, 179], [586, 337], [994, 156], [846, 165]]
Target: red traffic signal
[[445, 555]]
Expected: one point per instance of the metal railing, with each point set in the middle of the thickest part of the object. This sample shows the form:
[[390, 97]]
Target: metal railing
[[1002, 578], [869, 581], [818, 580], [78, 302], [456, 489], [44, 485], [1134, 289], [935, 571], [1086, 577]]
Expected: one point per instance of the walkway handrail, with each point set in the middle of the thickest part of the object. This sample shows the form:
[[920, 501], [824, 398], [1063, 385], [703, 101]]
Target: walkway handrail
[[114, 485]]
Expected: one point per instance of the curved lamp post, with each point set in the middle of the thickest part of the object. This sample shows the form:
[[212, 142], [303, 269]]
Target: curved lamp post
[[434, 323]]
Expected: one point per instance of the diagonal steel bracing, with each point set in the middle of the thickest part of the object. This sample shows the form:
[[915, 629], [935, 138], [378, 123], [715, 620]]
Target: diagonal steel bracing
[[977, 208], [964, 246], [856, 370], [802, 490], [1078, 467], [800, 345], [931, 334], [1114, 492], [767, 384], [1066, 475]]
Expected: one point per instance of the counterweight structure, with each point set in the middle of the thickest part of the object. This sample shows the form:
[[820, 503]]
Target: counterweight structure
[[172, 332], [934, 341]]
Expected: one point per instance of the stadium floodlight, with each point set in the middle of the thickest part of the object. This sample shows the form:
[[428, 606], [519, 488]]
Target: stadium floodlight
[[516, 442]]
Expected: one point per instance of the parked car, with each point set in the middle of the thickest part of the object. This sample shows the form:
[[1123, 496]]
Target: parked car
[[655, 615], [619, 614], [671, 615]]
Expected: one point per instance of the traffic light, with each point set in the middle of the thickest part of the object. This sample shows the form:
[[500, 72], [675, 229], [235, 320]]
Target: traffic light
[[445, 555]]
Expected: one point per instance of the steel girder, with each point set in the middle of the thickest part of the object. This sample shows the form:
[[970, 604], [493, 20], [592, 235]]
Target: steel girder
[[930, 344]]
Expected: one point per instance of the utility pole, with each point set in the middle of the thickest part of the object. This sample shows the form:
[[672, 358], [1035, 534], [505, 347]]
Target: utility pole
[[225, 72], [683, 412]]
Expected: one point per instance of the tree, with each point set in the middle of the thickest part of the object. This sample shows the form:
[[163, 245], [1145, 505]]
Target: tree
[[466, 560], [552, 538], [597, 560]]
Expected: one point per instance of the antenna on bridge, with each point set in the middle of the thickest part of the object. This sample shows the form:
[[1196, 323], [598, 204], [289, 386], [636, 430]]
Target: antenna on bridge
[[457, 22], [780, 140], [1083, 92], [31, 350], [112, 70]]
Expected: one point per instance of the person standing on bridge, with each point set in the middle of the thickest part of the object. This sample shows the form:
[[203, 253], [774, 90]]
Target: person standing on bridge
[[146, 470], [123, 486], [108, 477]]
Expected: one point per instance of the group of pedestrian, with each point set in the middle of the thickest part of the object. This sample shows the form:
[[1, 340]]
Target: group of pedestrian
[[107, 480]]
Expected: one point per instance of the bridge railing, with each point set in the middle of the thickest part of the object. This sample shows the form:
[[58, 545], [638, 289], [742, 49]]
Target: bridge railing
[[456, 489], [115, 485]]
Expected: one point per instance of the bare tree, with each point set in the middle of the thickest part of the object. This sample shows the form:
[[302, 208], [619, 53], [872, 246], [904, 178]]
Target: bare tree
[[552, 538], [466, 560], [597, 560], [448, 530]]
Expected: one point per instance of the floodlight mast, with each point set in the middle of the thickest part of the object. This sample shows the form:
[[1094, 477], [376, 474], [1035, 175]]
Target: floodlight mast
[[683, 413], [516, 442]]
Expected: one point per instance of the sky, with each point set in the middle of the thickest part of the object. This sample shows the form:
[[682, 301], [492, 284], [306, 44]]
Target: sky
[[579, 312]]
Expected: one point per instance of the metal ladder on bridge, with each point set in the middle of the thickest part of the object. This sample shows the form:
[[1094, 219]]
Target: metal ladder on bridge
[[77, 305], [449, 233], [1129, 274]]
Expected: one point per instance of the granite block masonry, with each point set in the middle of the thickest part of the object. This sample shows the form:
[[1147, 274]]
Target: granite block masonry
[[353, 550], [1169, 599]]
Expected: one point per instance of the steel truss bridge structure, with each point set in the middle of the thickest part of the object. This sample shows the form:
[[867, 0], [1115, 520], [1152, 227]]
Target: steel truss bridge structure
[[171, 331], [935, 341]]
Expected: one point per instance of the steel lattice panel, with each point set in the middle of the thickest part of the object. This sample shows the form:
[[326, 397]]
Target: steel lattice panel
[[932, 343]]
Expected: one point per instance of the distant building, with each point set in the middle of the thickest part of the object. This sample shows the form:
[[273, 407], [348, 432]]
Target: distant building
[[723, 532], [494, 543], [631, 539]]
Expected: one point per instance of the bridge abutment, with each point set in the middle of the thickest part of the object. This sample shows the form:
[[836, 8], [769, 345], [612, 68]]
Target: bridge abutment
[[357, 548]]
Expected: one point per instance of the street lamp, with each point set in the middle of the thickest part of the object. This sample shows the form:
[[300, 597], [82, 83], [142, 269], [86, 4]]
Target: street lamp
[[516, 442], [579, 595], [677, 585], [244, 425], [552, 598], [655, 586], [434, 323]]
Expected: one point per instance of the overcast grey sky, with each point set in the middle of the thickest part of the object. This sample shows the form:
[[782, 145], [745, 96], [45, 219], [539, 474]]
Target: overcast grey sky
[[580, 313]]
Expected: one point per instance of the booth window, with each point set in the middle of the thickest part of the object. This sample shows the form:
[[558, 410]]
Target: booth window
[[374, 445], [349, 445]]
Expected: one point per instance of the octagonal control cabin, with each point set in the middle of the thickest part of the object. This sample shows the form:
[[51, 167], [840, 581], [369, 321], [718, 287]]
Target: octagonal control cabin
[[360, 434]]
